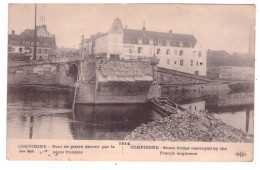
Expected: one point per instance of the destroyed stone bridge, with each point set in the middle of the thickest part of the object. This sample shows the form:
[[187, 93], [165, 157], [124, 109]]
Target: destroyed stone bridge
[[100, 80]]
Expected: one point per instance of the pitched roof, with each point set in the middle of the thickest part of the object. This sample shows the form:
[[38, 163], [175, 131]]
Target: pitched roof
[[25, 40], [93, 37], [131, 36], [222, 53], [28, 32], [223, 58]]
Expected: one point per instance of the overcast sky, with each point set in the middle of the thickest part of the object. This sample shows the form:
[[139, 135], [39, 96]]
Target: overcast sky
[[214, 26]]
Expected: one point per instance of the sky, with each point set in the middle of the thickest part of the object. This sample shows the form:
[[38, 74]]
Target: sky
[[216, 27]]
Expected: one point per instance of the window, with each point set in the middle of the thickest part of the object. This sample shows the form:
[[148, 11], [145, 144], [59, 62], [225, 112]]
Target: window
[[151, 41], [168, 61], [199, 54], [159, 42], [191, 62], [181, 62], [45, 51], [140, 50], [39, 51], [181, 52], [175, 62], [175, 52], [168, 43], [197, 63], [158, 51], [139, 40], [201, 63], [168, 52], [181, 44], [20, 50]]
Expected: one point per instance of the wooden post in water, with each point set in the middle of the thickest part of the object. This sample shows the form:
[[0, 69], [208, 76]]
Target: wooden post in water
[[74, 98]]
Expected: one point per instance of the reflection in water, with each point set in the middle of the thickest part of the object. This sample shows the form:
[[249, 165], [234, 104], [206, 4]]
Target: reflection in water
[[31, 127], [34, 113], [195, 106], [243, 120], [108, 121], [42, 114], [235, 109], [30, 117]]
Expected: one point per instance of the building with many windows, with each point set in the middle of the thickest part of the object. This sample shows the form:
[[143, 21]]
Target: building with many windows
[[222, 65], [20, 47], [179, 52]]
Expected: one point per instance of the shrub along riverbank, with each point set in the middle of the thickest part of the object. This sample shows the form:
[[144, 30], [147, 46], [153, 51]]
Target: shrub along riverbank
[[189, 126]]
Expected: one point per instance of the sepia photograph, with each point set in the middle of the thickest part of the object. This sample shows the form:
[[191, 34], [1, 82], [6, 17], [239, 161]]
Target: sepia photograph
[[132, 73]]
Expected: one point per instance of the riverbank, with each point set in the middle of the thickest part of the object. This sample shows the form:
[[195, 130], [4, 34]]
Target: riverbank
[[190, 127]]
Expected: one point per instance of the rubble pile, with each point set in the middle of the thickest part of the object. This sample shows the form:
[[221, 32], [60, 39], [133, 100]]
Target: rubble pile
[[189, 126], [126, 69]]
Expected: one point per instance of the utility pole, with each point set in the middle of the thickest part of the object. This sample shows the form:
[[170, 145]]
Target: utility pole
[[35, 35]]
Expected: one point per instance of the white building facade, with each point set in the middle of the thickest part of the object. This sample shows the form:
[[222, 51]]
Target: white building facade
[[179, 52]]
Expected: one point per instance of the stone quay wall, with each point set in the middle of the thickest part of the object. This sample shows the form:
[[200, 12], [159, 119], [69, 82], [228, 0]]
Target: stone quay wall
[[167, 76], [40, 74]]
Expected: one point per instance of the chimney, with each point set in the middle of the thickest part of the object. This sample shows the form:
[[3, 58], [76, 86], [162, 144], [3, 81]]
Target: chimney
[[144, 26], [170, 32], [144, 29], [13, 32]]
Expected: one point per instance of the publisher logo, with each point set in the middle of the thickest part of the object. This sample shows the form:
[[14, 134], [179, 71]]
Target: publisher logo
[[240, 154]]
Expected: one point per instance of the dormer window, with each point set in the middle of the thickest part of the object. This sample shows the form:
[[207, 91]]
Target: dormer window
[[159, 42], [168, 43], [139, 40], [181, 44], [151, 41]]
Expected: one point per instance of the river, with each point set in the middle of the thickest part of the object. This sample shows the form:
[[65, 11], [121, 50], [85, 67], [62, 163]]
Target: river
[[34, 113]]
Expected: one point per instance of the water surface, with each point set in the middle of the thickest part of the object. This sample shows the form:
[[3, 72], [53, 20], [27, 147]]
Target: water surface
[[46, 114]]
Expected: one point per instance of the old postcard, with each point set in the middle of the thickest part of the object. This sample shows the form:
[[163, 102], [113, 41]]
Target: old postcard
[[131, 82]]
